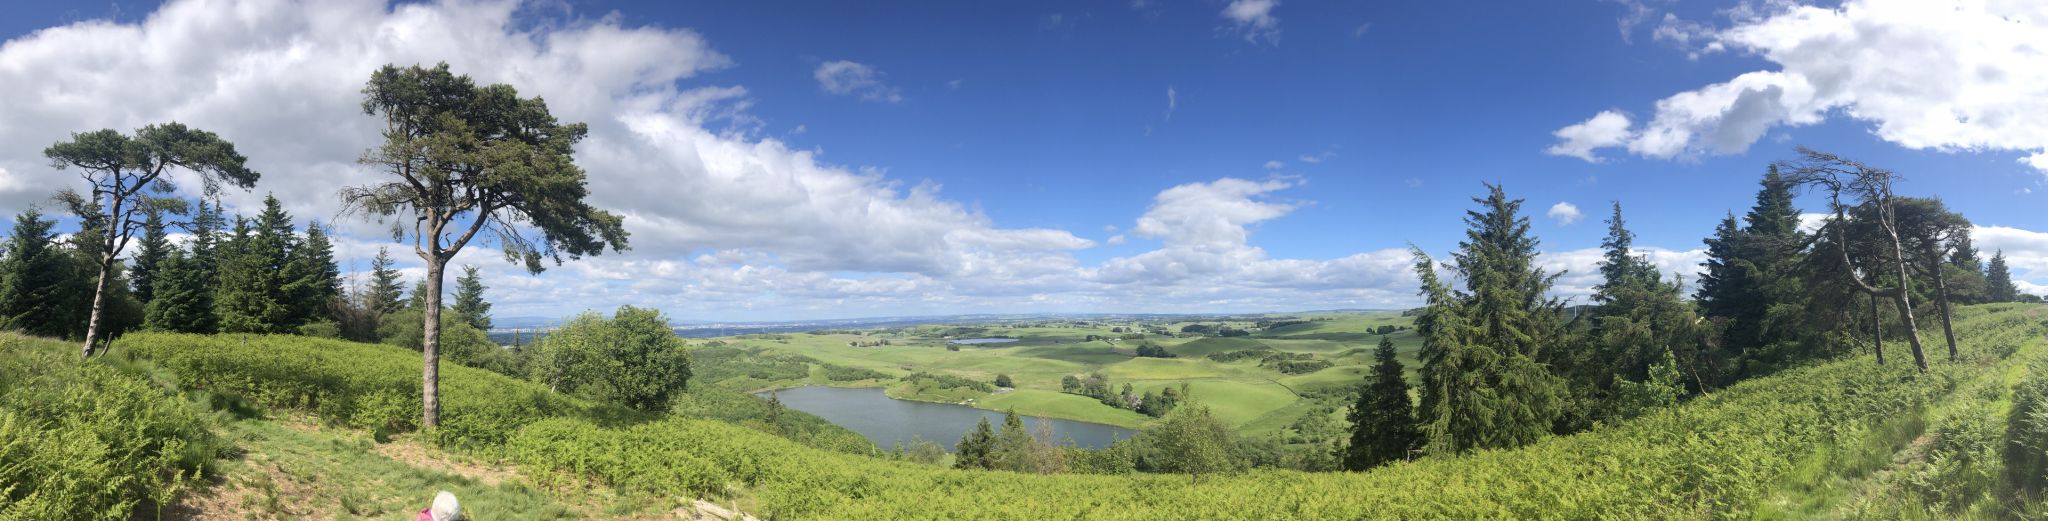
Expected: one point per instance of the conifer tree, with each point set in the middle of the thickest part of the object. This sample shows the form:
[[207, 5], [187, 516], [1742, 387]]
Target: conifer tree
[[257, 274], [470, 305], [1483, 386], [1620, 267], [150, 254], [387, 291], [1012, 450], [122, 172], [973, 450], [37, 294], [184, 301], [314, 278], [1998, 285], [1383, 421]]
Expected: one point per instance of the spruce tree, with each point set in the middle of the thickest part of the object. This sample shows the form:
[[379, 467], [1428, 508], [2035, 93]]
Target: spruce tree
[[1012, 450], [313, 278], [387, 290], [150, 254], [1998, 285], [470, 305], [37, 285], [973, 450], [1620, 267], [184, 302], [1483, 383], [1383, 421]]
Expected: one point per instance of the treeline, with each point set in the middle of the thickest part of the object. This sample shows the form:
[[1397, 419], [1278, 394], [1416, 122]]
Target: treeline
[[264, 275], [1504, 364], [1096, 385]]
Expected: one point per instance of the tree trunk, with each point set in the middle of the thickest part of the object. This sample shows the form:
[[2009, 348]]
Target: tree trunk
[[1941, 300], [430, 346], [99, 298], [1876, 331], [1903, 298]]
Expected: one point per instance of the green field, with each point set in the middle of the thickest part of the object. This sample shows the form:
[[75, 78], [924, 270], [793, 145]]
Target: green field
[[1254, 398]]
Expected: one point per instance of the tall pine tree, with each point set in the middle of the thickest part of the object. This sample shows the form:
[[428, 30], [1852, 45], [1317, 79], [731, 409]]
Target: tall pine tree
[[184, 301], [1383, 421]]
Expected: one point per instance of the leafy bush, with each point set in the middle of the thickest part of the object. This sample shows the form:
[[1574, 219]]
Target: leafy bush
[[83, 440], [632, 359]]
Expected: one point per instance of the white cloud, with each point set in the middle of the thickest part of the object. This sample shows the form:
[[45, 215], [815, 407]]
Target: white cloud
[[1254, 19], [1606, 129], [1274, 164], [1947, 76], [1565, 213], [1171, 102], [1115, 240], [2026, 252], [1361, 30], [855, 79]]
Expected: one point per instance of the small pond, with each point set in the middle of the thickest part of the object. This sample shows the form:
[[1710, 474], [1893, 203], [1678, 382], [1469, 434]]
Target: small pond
[[887, 420], [973, 341]]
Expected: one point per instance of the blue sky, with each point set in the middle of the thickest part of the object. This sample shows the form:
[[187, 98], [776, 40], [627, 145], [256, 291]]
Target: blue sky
[[828, 159]]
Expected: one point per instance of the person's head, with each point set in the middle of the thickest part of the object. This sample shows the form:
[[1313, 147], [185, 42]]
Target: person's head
[[445, 507]]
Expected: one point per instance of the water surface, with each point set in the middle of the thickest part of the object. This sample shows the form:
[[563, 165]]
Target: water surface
[[972, 341], [888, 420]]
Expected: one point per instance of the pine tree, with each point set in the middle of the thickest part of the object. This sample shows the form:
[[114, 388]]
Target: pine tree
[[150, 254], [387, 291], [37, 285], [1383, 421], [973, 450], [1998, 285], [470, 305]]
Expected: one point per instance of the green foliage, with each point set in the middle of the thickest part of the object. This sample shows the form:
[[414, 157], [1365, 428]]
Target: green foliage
[[1720, 456], [39, 282], [946, 381], [1003, 380], [1192, 441], [1998, 279], [1482, 384], [470, 305], [360, 385], [150, 253], [2026, 434], [85, 440], [632, 359], [1151, 350], [459, 342], [976, 448], [1383, 421]]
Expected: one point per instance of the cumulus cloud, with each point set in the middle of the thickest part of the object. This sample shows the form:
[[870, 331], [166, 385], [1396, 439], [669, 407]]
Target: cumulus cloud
[[1581, 267], [2026, 253], [1946, 76], [848, 78], [1606, 129], [1564, 213], [1254, 19]]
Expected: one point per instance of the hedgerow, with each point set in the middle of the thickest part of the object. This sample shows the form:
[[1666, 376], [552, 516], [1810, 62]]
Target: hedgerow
[[84, 440]]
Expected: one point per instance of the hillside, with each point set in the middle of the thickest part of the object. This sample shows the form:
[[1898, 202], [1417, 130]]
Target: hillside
[[1848, 437]]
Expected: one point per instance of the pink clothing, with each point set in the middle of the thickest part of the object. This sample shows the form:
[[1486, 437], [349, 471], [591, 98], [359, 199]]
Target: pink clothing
[[426, 514]]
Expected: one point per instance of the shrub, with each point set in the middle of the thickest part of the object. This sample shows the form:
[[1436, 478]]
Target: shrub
[[83, 440]]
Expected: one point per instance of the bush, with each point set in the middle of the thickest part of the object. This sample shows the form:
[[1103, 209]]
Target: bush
[[83, 440], [633, 359]]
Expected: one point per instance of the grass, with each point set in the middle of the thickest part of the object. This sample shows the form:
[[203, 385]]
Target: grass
[[1255, 398]]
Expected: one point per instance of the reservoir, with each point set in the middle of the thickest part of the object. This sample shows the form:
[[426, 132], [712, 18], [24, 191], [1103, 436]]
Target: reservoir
[[888, 420]]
